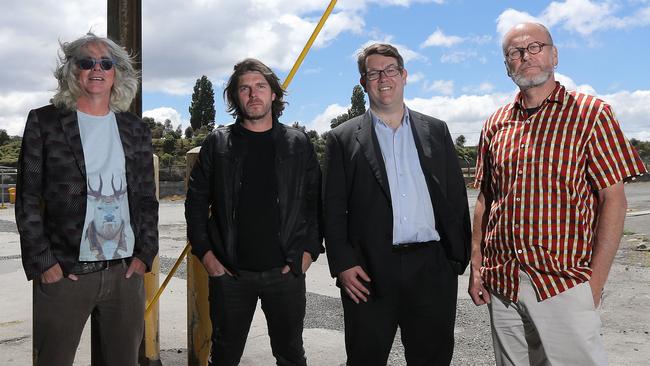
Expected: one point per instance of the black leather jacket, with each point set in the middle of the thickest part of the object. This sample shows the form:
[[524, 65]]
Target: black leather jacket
[[213, 193]]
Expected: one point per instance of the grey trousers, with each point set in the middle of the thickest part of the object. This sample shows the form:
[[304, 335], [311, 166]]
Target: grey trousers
[[561, 330], [61, 310]]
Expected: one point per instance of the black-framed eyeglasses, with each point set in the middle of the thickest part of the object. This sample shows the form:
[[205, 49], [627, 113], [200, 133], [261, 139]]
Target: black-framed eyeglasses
[[517, 53], [89, 63], [390, 71]]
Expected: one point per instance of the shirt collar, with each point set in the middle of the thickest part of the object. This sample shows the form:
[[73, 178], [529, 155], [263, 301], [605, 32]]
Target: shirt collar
[[557, 96], [377, 122]]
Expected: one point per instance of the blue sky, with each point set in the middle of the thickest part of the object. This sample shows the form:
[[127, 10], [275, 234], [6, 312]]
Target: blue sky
[[451, 47]]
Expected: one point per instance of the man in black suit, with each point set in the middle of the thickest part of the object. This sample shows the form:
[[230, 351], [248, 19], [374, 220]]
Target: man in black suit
[[397, 223]]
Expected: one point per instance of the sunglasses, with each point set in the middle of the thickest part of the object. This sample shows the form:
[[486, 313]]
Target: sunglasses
[[89, 63]]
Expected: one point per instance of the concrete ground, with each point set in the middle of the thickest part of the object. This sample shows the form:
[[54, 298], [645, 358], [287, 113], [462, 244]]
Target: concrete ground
[[625, 311]]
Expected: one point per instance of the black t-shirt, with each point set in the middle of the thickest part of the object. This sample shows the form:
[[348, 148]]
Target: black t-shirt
[[258, 221]]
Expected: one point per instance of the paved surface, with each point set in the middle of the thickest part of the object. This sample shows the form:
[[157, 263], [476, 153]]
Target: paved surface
[[625, 312]]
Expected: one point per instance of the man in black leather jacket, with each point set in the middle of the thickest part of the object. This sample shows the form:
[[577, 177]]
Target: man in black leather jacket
[[252, 214]]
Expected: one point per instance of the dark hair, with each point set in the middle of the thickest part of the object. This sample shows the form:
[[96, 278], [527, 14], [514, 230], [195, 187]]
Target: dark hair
[[378, 49], [231, 94]]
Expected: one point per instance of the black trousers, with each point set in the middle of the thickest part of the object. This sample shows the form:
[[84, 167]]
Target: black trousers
[[232, 305], [420, 298]]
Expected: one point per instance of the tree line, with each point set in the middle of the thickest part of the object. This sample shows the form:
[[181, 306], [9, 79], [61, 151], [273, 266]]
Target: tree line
[[172, 143]]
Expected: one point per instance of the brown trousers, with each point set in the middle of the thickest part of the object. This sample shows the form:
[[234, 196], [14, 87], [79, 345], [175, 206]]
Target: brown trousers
[[61, 310]]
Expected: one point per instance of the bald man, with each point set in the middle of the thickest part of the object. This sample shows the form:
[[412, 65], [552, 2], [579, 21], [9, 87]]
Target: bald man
[[550, 213]]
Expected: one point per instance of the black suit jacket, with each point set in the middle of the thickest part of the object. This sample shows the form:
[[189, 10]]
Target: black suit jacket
[[51, 189], [357, 203]]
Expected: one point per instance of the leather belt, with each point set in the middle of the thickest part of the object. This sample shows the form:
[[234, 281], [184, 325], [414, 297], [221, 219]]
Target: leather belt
[[90, 267]]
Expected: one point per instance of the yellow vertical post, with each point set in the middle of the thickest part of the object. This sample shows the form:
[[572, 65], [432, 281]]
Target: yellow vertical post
[[150, 346], [199, 326]]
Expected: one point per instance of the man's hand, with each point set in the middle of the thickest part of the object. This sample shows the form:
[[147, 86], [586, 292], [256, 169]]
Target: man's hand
[[213, 266], [55, 274], [477, 292], [136, 266], [306, 261], [353, 287]]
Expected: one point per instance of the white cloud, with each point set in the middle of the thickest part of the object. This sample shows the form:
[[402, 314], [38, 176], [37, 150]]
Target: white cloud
[[14, 107], [163, 113], [580, 16], [321, 122], [465, 114], [482, 88], [274, 32], [571, 85], [456, 57], [407, 53], [415, 77], [632, 110], [439, 39], [444, 87], [511, 17]]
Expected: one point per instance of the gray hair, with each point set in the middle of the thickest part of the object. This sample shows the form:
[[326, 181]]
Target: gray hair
[[125, 83]]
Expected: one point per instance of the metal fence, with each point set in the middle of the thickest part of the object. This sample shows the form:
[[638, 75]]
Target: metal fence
[[7, 180]]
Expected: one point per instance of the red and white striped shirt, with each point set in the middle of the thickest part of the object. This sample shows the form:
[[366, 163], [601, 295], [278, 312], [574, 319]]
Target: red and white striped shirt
[[542, 172]]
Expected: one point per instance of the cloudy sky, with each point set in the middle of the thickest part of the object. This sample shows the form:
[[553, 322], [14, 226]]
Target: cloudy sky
[[451, 48]]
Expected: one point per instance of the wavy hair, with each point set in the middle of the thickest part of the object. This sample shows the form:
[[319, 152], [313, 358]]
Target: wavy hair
[[125, 82], [231, 95]]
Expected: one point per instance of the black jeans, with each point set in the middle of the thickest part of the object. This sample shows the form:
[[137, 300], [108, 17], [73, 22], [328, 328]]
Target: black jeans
[[232, 305]]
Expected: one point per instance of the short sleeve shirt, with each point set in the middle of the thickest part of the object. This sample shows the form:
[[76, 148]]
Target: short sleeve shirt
[[542, 172], [107, 232]]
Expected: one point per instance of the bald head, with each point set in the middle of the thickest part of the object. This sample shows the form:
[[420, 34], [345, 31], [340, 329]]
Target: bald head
[[526, 29]]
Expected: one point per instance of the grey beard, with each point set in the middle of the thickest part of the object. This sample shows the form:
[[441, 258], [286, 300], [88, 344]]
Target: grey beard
[[527, 83]]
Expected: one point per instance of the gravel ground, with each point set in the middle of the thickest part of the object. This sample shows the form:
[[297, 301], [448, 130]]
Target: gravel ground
[[625, 312]]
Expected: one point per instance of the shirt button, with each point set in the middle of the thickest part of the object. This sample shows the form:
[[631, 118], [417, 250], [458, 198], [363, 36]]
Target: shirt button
[[404, 218], [520, 251], [516, 226], [517, 199], [403, 194], [522, 145], [520, 172]]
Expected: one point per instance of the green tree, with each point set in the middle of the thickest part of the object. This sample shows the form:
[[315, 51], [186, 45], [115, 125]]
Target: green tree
[[4, 137], [358, 102], [202, 111], [189, 132], [357, 107], [460, 141]]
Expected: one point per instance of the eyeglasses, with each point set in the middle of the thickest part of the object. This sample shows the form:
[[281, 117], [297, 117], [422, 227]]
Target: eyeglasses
[[89, 63], [390, 71], [533, 48]]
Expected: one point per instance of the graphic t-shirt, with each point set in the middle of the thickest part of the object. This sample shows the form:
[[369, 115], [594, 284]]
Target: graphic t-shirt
[[107, 232]]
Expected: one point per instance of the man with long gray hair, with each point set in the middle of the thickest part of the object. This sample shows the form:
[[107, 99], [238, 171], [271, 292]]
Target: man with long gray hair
[[86, 207]]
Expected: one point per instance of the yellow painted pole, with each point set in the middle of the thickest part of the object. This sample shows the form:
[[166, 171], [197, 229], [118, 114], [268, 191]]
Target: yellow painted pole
[[307, 47], [199, 325], [150, 346], [154, 300]]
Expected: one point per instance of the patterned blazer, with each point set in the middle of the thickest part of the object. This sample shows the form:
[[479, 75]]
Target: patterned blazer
[[51, 189]]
